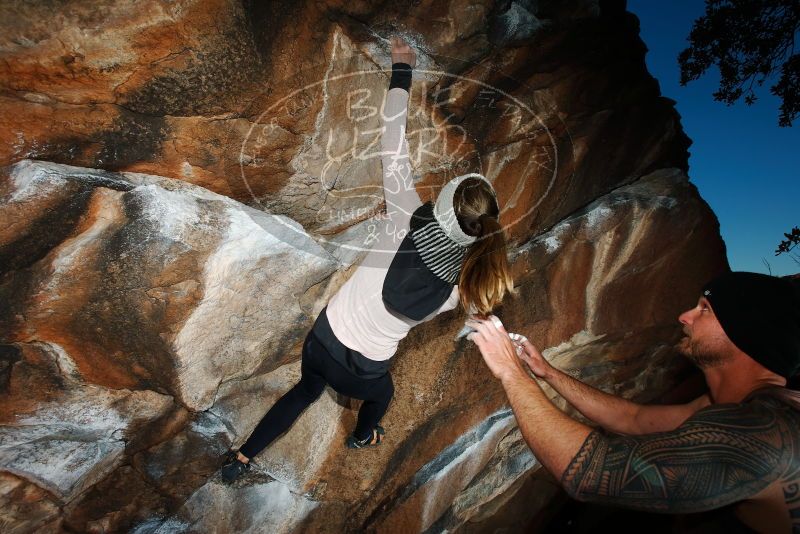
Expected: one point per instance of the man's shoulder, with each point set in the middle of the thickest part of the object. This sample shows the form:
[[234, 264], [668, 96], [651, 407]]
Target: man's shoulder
[[761, 408], [777, 396]]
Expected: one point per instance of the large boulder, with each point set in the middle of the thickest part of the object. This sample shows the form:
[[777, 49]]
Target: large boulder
[[91, 409], [278, 107], [147, 269], [188, 183]]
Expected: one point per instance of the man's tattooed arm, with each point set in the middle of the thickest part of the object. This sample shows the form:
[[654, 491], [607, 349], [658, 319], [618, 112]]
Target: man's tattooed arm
[[721, 455]]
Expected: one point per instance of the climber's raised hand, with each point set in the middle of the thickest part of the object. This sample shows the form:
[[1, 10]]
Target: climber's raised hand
[[402, 52]]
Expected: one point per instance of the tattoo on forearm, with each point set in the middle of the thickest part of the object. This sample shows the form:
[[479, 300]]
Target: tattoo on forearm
[[721, 455]]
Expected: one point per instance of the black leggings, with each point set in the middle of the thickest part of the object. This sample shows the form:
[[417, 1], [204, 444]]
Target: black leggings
[[317, 369]]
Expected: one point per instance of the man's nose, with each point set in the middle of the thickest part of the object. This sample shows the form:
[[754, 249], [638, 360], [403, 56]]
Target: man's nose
[[686, 317]]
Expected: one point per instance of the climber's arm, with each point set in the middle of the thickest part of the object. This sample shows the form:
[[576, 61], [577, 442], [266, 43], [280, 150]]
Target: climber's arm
[[398, 186]]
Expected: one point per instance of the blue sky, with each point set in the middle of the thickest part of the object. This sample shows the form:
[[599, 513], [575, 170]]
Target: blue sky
[[745, 166]]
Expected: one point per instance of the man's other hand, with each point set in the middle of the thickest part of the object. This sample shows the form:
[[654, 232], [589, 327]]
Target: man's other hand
[[534, 359]]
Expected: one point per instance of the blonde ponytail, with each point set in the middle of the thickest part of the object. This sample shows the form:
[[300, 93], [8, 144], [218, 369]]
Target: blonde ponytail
[[485, 275]]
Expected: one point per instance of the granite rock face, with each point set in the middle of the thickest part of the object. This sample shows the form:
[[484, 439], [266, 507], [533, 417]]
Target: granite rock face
[[151, 266], [76, 432], [278, 106], [186, 186]]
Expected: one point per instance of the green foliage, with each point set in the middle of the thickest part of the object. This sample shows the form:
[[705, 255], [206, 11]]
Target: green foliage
[[750, 41], [791, 241]]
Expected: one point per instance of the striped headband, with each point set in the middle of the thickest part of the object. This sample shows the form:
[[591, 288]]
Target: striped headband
[[445, 213]]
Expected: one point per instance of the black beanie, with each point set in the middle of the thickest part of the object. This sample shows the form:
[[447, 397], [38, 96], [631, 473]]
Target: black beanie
[[761, 316]]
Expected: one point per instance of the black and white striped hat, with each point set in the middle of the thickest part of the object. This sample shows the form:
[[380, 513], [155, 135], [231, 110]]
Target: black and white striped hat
[[437, 235]]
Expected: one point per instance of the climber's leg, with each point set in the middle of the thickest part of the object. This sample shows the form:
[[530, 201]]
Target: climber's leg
[[289, 407], [376, 401]]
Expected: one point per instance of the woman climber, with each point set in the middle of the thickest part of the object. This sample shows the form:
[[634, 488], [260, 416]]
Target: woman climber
[[451, 250]]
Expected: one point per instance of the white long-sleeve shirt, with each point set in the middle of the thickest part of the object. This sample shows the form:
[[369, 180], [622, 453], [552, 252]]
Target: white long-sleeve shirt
[[357, 314]]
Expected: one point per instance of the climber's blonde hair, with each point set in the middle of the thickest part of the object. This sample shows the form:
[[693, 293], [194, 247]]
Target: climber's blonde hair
[[485, 275]]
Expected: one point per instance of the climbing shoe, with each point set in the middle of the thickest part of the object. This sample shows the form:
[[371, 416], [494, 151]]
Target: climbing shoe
[[233, 467], [371, 441]]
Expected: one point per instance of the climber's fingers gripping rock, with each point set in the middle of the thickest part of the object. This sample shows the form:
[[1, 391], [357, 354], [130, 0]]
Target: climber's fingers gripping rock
[[402, 52]]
